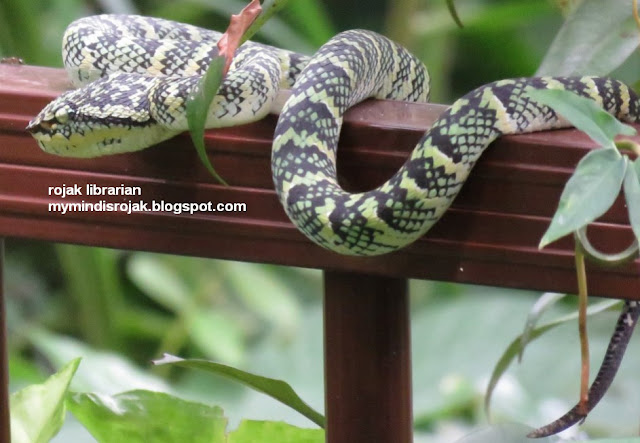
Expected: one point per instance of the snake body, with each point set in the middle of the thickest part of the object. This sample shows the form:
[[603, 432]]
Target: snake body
[[136, 73], [134, 76]]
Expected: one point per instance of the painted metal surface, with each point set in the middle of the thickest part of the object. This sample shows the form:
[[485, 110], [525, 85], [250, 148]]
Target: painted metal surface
[[489, 236]]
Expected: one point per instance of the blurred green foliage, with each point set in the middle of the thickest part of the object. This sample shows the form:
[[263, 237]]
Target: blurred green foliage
[[120, 309]]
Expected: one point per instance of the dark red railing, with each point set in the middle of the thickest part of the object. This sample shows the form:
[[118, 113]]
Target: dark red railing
[[488, 237]]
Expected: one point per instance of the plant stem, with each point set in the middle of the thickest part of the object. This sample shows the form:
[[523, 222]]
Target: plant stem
[[628, 146], [582, 328]]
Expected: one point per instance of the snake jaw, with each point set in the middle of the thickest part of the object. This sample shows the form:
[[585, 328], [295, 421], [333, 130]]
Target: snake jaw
[[35, 127]]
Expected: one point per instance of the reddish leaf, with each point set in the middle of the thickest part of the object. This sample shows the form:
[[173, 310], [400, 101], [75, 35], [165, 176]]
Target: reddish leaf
[[231, 39]]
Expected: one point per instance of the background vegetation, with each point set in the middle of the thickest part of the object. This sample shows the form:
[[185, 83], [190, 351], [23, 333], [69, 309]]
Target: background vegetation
[[119, 309]]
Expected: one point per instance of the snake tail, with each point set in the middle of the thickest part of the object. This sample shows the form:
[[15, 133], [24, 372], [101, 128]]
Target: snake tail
[[612, 358]]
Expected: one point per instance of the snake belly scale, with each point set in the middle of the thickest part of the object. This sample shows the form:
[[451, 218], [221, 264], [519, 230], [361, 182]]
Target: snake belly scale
[[135, 75]]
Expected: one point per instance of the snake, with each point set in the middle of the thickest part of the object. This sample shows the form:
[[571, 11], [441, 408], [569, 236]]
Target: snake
[[134, 76]]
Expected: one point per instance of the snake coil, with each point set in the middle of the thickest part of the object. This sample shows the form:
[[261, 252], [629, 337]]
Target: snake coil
[[135, 74]]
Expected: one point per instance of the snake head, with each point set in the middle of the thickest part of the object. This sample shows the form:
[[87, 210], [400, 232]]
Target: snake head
[[51, 119], [55, 128], [108, 116]]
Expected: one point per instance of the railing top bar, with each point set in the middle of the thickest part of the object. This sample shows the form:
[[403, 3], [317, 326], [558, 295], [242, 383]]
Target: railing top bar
[[489, 237]]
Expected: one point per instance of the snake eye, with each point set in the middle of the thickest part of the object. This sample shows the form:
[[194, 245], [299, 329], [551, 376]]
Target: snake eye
[[62, 116]]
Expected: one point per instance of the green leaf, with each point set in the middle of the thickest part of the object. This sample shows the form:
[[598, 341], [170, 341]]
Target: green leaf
[[37, 411], [514, 347], [160, 282], [269, 8], [217, 335], [595, 39], [632, 195], [276, 389], [545, 301], [588, 194], [251, 431], [198, 109], [100, 371], [146, 416], [583, 113]]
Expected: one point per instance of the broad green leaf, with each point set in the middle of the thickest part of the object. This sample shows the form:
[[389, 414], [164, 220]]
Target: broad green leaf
[[594, 40], [583, 113], [588, 194], [503, 433], [276, 389], [37, 411], [541, 305], [198, 109], [100, 371], [251, 431], [147, 416], [632, 195], [513, 349]]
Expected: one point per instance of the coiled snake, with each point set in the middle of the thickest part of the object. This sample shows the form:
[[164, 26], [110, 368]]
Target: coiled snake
[[136, 73]]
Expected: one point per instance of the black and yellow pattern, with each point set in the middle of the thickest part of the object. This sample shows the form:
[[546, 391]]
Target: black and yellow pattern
[[141, 70], [408, 204]]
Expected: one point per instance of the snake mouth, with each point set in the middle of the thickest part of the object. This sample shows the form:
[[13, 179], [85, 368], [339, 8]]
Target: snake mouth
[[39, 127], [32, 127]]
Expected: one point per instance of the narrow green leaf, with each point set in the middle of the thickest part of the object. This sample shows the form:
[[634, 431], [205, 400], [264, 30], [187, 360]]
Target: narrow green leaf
[[269, 8], [146, 416], [37, 411], [200, 101], [514, 347], [541, 305], [594, 40], [588, 194], [583, 113], [251, 431], [198, 109], [276, 389], [632, 195]]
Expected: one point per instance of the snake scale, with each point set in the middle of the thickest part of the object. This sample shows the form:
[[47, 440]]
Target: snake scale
[[134, 75]]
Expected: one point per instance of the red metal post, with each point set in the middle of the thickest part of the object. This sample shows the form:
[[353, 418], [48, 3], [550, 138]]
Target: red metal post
[[367, 359], [5, 430]]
